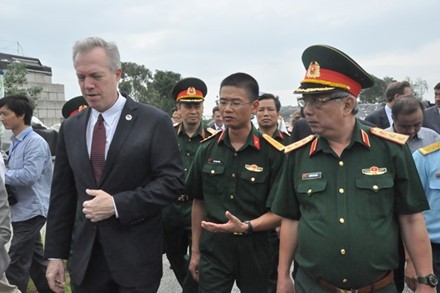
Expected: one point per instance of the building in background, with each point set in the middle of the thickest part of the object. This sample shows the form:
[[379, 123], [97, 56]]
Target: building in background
[[51, 99]]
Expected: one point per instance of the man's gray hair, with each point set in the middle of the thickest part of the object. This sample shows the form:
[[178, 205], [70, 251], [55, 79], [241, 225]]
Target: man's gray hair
[[343, 94], [86, 45]]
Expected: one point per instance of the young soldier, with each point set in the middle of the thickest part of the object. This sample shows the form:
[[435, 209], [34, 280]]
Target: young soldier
[[230, 181]]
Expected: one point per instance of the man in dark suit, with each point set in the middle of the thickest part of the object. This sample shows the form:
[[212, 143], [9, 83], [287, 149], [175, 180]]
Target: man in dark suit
[[432, 115], [382, 117], [118, 181]]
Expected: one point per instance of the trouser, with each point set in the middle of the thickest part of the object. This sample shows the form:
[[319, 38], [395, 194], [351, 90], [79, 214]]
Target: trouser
[[275, 244], [98, 277], [304, 283], [436, 260], [5, 287], [399, 272], [177, 239], [226, 258], [26, 253]]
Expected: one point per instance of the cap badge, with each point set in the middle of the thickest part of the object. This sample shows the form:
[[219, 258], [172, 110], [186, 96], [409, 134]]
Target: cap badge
[[253, 168], [314, 70], [191, 91], [374, 171], [128, 117]]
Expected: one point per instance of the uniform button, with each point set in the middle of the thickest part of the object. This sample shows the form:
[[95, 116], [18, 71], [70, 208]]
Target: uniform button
[[341, 163], [344, 280], [341, 220], [231, 196], [252, 179], [186, 169], [235, 154], [375, 187], [341, 190], [342, 251], [212, 171], [233, 175], [189, 139], [309, 191], [187, 154]]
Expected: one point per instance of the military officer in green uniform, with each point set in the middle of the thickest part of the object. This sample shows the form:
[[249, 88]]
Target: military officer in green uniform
[[189, 94], [344, 192], [230, 180], [268, 114]]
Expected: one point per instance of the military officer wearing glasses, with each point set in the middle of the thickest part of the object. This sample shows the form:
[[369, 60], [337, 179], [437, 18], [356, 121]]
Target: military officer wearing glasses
[[230, 180], [344, 192]]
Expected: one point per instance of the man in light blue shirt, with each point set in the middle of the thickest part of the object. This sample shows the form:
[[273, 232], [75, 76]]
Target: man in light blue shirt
[[407, 114], [29, 177], [427, 161]]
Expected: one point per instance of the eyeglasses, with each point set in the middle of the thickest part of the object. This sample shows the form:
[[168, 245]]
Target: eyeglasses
[[315, 101], [235, 104]]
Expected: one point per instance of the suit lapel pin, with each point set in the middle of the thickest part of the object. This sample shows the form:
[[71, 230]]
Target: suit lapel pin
[[128, 117]]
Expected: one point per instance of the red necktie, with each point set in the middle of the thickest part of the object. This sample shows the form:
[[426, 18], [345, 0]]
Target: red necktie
[[97, 153]]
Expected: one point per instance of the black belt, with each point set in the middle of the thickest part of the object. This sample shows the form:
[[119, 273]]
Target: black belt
[[383, 282]]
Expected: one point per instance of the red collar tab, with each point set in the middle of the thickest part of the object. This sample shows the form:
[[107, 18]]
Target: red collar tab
[[365, 138], [313, 146], [256, 141]]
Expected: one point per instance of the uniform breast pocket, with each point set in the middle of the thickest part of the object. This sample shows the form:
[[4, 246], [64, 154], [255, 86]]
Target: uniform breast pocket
[[212, 177], [376, 196], [434, 201], [254, 186], [313, 200]]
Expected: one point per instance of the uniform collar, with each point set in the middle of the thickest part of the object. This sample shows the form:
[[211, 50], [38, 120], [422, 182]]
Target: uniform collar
[[253, 139], [200, 131], [360, 136]]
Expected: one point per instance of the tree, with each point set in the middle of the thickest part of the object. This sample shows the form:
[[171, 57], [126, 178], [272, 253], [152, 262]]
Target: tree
[[16, 82], [375, 94], [139, 83], [418, 87]]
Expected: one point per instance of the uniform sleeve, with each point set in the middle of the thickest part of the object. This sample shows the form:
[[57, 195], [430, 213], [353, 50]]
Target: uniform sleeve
[[276, 164], [194, 182], [285, 202]]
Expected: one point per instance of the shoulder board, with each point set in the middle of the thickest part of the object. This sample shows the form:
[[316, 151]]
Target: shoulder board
[[388, 135], [209, 137], [211, 130], [286, 133], [279, 146], [430, 148], [299, 143]]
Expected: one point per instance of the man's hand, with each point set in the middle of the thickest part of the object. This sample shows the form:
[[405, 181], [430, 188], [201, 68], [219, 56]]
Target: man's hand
[[100, 207], [55, 275], [194, 265], [410, 275], [234, 225]]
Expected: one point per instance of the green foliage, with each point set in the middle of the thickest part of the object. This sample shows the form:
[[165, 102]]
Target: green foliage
[[16, 82], [375, 94], [139, 83]]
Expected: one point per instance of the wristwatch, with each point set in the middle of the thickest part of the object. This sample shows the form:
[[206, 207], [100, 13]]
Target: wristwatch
[[250, 228], [430, 280]]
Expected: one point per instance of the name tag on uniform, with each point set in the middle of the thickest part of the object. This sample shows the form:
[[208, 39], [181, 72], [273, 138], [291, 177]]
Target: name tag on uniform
[[310, 176]]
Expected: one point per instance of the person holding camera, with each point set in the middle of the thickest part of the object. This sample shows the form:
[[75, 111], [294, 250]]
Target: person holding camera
[[29, 176]]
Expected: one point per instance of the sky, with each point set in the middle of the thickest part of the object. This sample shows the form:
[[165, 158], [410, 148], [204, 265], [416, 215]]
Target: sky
[[213, 39]]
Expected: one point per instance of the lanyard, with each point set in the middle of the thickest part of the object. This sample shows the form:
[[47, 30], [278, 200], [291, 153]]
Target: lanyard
[[14, 146]]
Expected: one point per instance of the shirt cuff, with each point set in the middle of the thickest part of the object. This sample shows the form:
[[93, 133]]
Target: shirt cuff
[[116, 210]]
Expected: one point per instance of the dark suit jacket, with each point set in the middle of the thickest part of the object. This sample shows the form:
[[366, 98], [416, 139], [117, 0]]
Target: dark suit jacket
[[143, 172], [432, 119], [379, 118]]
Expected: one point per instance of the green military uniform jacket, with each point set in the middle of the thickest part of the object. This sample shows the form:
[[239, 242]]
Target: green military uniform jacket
[[347, 206], [281, 137], [235, 181], [188, 145]]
